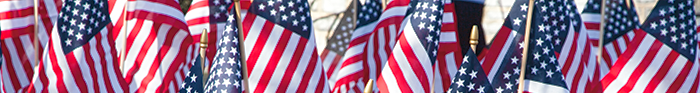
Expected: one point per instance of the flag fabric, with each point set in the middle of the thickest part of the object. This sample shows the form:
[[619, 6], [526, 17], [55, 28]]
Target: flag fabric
[[157, 47], [280, 48], [572, 48], [193, 82], [662, 55], [369, 47], [470, 78], [225, 75], [351, 79], [338, 42], [542, 71], [449, 56], [17, 39], [80, 56], [620, 21], [209, 15], [409, 68]]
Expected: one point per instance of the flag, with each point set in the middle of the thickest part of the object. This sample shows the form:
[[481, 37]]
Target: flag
[[157, 47], [662, 55], [572, 48], [280, 48], [620, 21], [353, 77], [79, 56], [209, 15], [470, 78], [449, 56], [225, 75], [340, 37], [409, 68], [17, 39], [369, 47], [542, 70], [193, 82]]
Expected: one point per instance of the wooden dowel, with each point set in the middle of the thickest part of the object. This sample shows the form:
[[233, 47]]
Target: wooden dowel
[[526, 39]]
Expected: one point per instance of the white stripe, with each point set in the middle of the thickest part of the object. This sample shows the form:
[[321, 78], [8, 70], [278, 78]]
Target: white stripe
[[652, 69], [610, 47], [389, 79], [64, 68], [501, 56], [157, 8], [79, 55], [303, 64], [265, 55], [539, 87], [407, 70], [16, 22], [688, 83], [117, 11], [622, 43], [14, 56], [451, 64], [281, 68], [448, 17], [328, 60], [672, 74], [632, 64], [564, 55], [6, 81], [196, 29], [419, 52], [448, 37], [590, 17], [141, 72], [29, 51], [345, 72], [14, 5], [252, 36], [197, 13]]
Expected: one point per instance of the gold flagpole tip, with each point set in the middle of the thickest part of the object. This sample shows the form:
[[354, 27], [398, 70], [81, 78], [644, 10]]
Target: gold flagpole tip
[[474, 38], [203, 41], [368, 86]]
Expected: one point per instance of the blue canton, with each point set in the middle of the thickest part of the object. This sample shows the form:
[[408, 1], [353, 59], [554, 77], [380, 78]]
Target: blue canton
[[542, 65], [80, 20], [506, 78], [193, 79], [426, 19], [368, 12], [471, 77], [225, 74], [217, 10], [619, 19], [293, 15], [673, 23]]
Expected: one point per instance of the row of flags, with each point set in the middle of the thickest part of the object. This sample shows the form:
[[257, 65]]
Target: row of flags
[[406, 45]]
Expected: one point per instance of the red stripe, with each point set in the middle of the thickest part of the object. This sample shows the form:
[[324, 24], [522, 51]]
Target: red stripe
[[24, 12], [412, 60], [137, 63], [91, 66], [198, 21], [294, 63], [643, 65], [695, 84], [157, 18], [9, 66], [624, 58], [247, 24], [310, 68], [75, 70], [103, 62], [200, 4], [682, 77], [592, 26], [139, 59], [392, 64], [572, 54], [258, 46], [662, 71], [274, 59], [496, 48], [28, 30]]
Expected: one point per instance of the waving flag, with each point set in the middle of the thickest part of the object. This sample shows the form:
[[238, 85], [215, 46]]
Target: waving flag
[[193, 82], [470, 77], [661, 58], [409, 68], [225, 75], [369, 46], [542, 72], [620, 21], [210, 15], [449, 56], [17, 39], [157, 44], [338, 42], [80, 56], [281, 49]]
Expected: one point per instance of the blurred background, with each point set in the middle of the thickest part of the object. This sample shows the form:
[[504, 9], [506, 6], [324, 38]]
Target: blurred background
[[325, 13]]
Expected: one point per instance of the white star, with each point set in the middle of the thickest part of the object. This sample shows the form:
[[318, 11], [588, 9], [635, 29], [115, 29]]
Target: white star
[[516, 71], [506, 75], [517, 21], [481, 89], [460, 82], [470, 86], [537, 56], [473, 74], [227, 82], [282, 9], [261, 7], [81, 26], [423, 15], [545, 50], [270, 3], [541, 28], [465, 59], [462, 71], [421, 25], [68, 42], [295, 22], [189, 89], [72, 22], [509, 85], [513, 60], [432, 18], [284, 17], [499, 90], [683, 45], [273, 12], [193, 77], [653, 25], [229, 71], [543, 65], [663, 32], [549, 73], [523, 7], [79, 36], [534, 70], [84, 16], [674, 38], [70, 32], [521, 45]]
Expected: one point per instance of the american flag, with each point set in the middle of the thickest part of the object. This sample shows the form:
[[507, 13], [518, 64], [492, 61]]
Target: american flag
[[542, 71], [157, 47], [193, 82], [210, 15], [80, 56], [369, 47], [470, 77], [410, 66], [661, 57], [620, 21], [449, 56], [225, 75], [338, 41], [281, 49], [17, 39], [572, 48], [353, 77]]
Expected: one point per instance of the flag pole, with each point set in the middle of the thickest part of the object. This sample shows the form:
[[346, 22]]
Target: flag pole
[[126, 27], [241, 47], [474, 38], [526, 39], [203, 45], [368, 87], [36, 33], [601, 34]]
